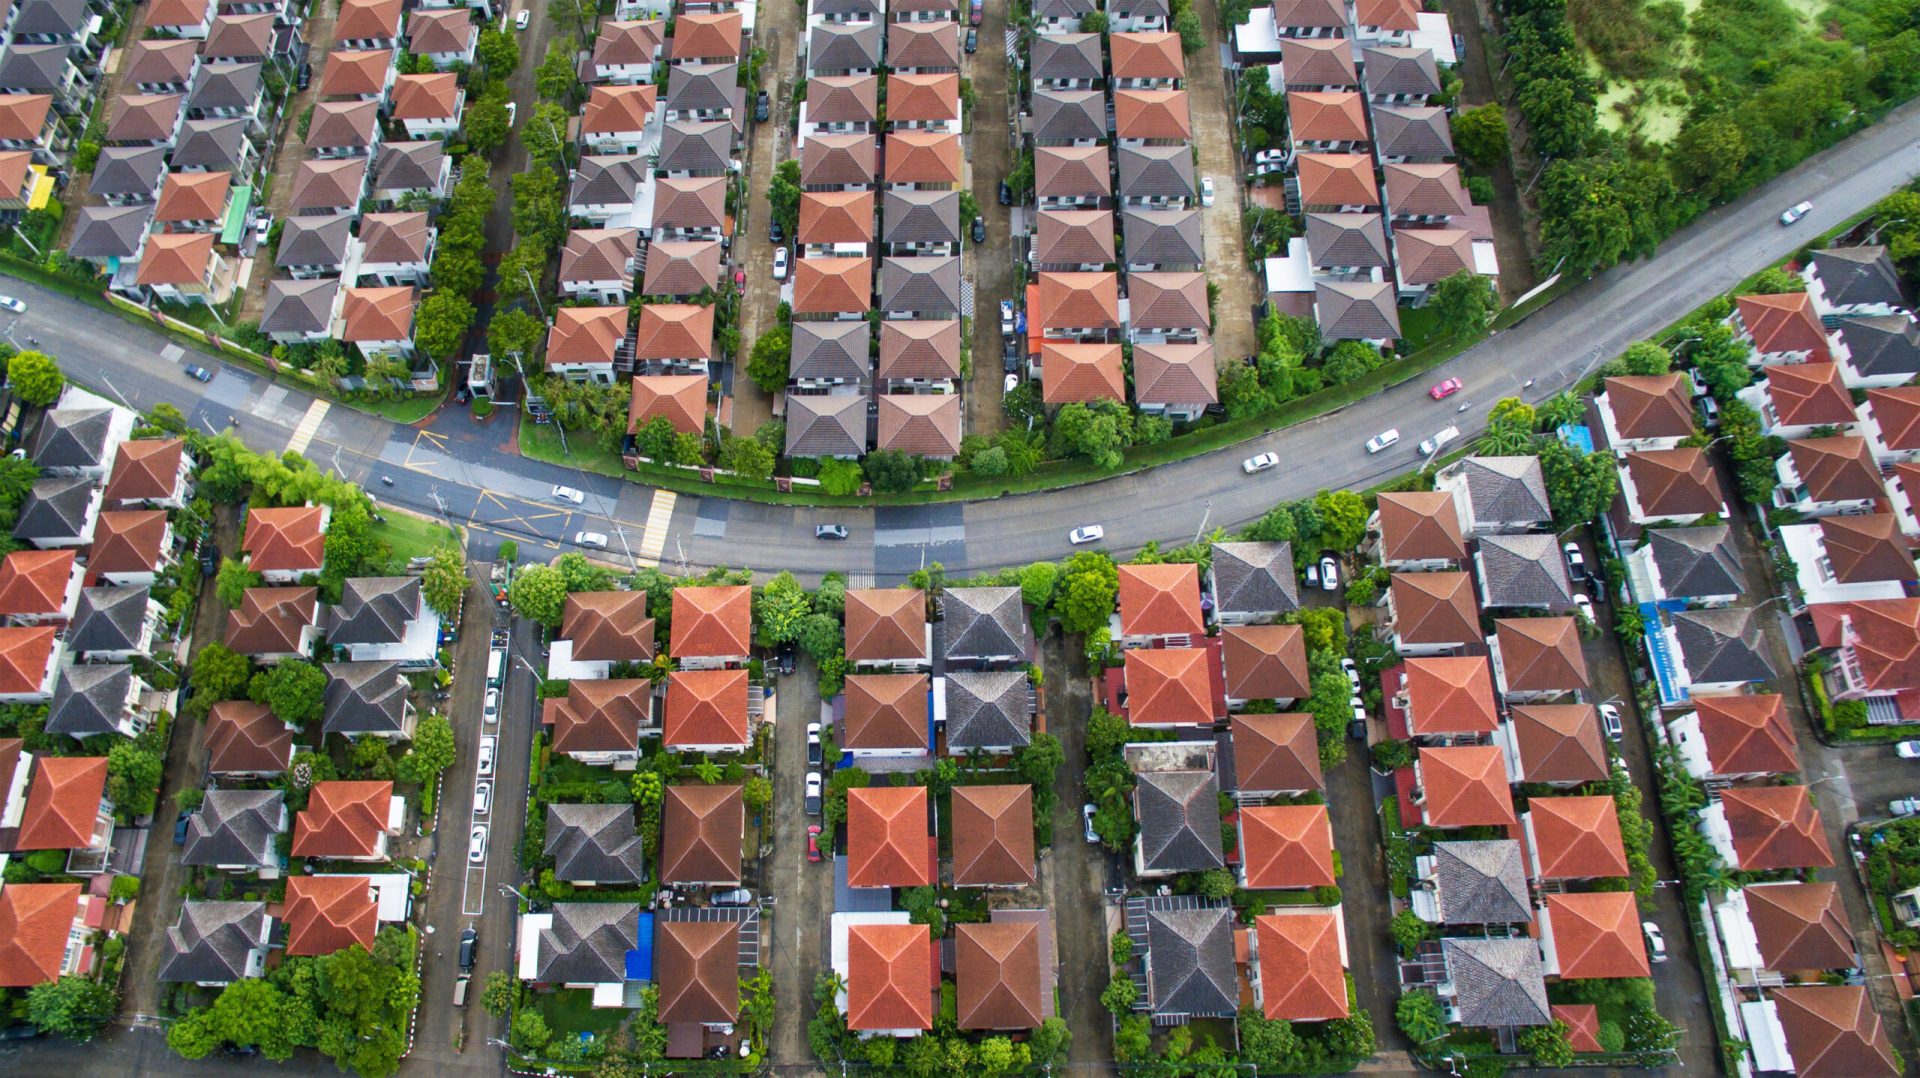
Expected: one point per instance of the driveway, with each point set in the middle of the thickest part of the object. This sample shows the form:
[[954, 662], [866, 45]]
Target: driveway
[[1510, 239], [794, 938], [989, 153], [1226, 245], [769, 144], [1077, 868], [288, 148]]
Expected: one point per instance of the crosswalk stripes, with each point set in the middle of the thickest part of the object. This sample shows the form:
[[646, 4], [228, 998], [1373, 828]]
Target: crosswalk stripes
[[653, 540], [309, 426]]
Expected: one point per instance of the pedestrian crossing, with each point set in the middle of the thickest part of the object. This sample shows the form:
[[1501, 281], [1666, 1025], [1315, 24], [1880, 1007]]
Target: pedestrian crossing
[[309, 426], [653, 540]]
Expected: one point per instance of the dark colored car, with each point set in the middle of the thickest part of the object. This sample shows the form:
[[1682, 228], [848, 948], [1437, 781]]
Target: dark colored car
[[762, 108], [469, 943], [180, 828], [979, 230], [198, 373], [1357, 730], [1006, 194], [304, 78], [973, 39], [785, 658], [775, 233], [1010, 356], [209, 558]]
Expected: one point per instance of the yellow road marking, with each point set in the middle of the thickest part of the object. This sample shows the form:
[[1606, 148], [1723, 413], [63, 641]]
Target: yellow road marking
[[309, 426], [653, 539]]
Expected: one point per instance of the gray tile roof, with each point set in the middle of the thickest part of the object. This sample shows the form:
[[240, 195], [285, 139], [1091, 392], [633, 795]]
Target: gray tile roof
[[1254, 578], [55, 509], [1190, 960], [365, 698], [235, 827], [33, 68], [987, 708], [127, 171], [58, 17], [1498, 982], [847, 7], [215, 145], [1883, 344], [1355, 310], [1505, 491], [211, 942], [1155, 172], [920, 216], [1067, 56], [1412, 131], [161, 62], [1179, 820], [696, 147], [1162, 237], [1480, 883], [1524, 570], [834, 425], [1071, 115], [920, 283], [608, 180], [408, 166], [978, 623], [72, 438], [107, 619], [317, 240], [700, 87], [829, 350], [110, 231], [225, 86], [1722, 645], [299, 306], [1696, 561], [374, 610], [1858, 276], [837, 48], [1399, 70], [595, 843], [587, 943], [89, 700], [1346, 239], [1068, 9]]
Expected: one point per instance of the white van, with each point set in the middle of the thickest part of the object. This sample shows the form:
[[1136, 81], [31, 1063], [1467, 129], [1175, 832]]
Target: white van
[[496, 667], [1440, 441]]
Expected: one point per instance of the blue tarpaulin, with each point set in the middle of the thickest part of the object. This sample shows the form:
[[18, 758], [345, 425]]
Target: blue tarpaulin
[[640, 959], [1671, 692]]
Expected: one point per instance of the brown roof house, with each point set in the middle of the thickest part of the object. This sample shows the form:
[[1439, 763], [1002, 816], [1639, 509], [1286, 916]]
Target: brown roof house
[[673, 338], [599, 722], [1327, 122], [1822, 476], [348, 821], [324, 914], [130, 547], [1076, 306], [712, 626], [1462, 786], [1762, 828], [1676, 486], [598, 264], [697, 969], [1299, 959], [1147, 59], [1432, 613], [1594, 935], [1286, 847], [892, 974], [272, 624], [284, 544], [1275, 755], [1176, 379], [993, 836], [1418, 530], [626, 50], [194, 201], [1537, 659], [40, 586], [1158, 604], [1446, 697], [920, 424], [1771, 930], [888, 627], [67, 809], [708, 711], [1573, 838], [247, 741], [616, 118], [1356, 311], [1646, 411], [1264, 662], [1002, 971], [830, 354], [150, 473], [428, 106], [889, 837], [1890, 419], [1071, 175], [598, 629], [1781, 328], [183, 267], [1554, 744], [1736, 737], [1796, 399], [887, 715], [586, 342], [1337, 183], [839, 289], [701, 828], [1875, 644], [681, 269], [379, 322], [1318, 63], [919, 354], [45, 928], [1820, 1031], [1168, 687], [1073, 372]]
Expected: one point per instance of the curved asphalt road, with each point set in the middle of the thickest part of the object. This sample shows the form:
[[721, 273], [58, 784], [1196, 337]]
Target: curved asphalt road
[[502, 497]]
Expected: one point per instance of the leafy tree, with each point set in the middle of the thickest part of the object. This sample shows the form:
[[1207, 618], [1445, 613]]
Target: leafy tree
[[233, 581], [1420, 1016], [1560, 410], [783, 195], [432, 751], [539, 208], [1092, 581], [218, 674], [1098, 433], [1120, 947], [1406, 928], [537, 592], [758, 793], [1709, 155], [1093, 22], [778, 609], [444, 580], [486, 124], [1548, 1045], [1579, 487], [1480, 134], [1343, 518], [1774, 281], [767, 362], [1119, 995], [1598, 210], [457, 268], [1049, 1041], [294, 689], [1465, 302], [840, 477], [522, 270], [497, 51], [545, 134], [819, 635], [1646, 358], [1132, 1040], [1350, 360], [1037, 582], [891, 471], [747, 458], [76, 1008], [529, 1032], [500, 993], [441, 323], [36, 377], [555, 79]]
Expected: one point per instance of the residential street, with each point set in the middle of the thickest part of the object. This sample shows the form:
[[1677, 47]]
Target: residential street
[[793, 941], [1078, 868], [1220, 160], [769, 143], [989, 156]]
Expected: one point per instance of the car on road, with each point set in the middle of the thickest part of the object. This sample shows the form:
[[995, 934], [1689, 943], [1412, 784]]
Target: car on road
[[1440, 440], [829, 531], [731, 896], [1708, 409], [762, 107], [1583, 606], [1009, 359], [1006, 194], [180, 828], [304, 77], [1445, 389], [1610, 722], [597, 540], [979, 232], [780, 257], [482, 798], [813, 842], [776, 234], [1907, 750], [1905, 806], [1006, 318], [1357, 729], [490, 711], [1383, 439], [784, 657], [1206, 190], [1259, 462], [487, 745], [973, 40], [1086, 818], [813, 744], [521, 20], [1795, 212], [1656, 943], [570, 494], [976, 10], [477, 845], [1012, 383], [813, 793], [1329, 574], [1086, 533], [197, 373], [469, 943], [1576, 565]]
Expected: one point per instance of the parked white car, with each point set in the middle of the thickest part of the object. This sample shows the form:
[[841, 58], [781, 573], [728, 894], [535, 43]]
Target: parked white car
[[569, 494], [482, 798], [477, 845], [1383, 439], [1656, 943], [1610, 721], [780, 257], [521, 20], [490, 711], [1206, 190], [1905, 806], [1583, 606], [1329, 574], [1086, 818], [487, 744], [1907, 750]]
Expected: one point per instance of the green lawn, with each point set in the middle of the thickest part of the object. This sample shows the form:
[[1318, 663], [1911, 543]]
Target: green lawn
[[570, 1012], [541, 441], [406, 536], [1419, 327], [407, 410]]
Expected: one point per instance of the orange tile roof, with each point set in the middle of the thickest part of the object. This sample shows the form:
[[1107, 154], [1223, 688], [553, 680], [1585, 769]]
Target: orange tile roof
[[35, 581], [128, 541], [1168, 686], [706, 36], [1884, 635], [1782, 323], [682, 398], [1337, 179], [1559, 742], [599, 716], [1450, 696], [378, 314], [1809, 394], [1837, 469], [608, 626], [1896, 411], [832, 285], [1541, 654], [700, 834], [1149, 54], [35, 922], [992, 828], [175, 258], [618, 108], [343, 819], [886, 623], [1434, 608], [325, 914], [1302, 966], [698, 970], [178, 12], [997, 979], [1152, 114], [1276, 752], [1800, 926], [63, 801], [922, 157], [712, 621], [1420, 526], [1746, 735], [146, 469], [291, 539], [1286, 846], [1265, 662], [1388, 14], [247, 737], [836, 216], [1081, 372], [1651, 406], [1597, 935], [24, 653], [23, 116], [1775, 827], [193, 196], [886, 711], [1674, 482], [367, 20], [1078, 301], [586, 334], [1583, 1025], [1576, 838], [1160, 600], [1834, 1032], [426, 97], [915, 98], [355, 72], [706, 707], [1338, 116], [1465, 786], [890, 976], [887, 837], [674, 331]]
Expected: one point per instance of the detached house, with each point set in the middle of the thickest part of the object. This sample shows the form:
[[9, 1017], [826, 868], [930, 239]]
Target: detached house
[[1645, 412], [285, 544], [385, 619], [348, 821], [1844, 281], [599, 264], [1781, 328], [428, 106], [599, 722], [368, 699], [445, 37]]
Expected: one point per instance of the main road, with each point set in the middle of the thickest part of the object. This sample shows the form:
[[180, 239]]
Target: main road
[[502, 497]]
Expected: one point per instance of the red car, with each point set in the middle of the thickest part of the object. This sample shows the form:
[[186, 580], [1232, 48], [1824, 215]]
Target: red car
[[1445, 389], [813, 842]]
